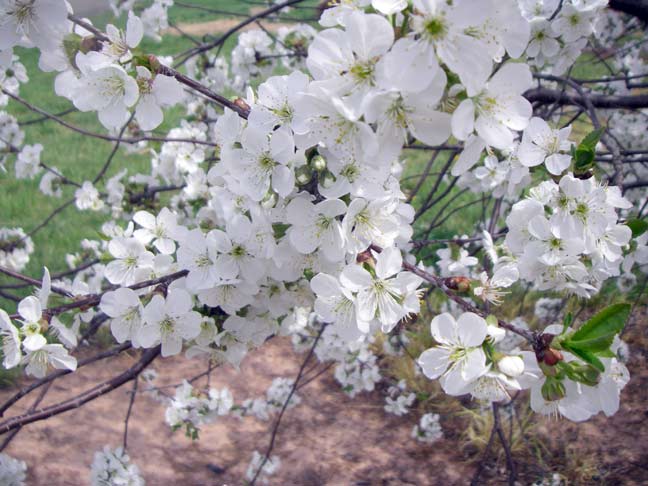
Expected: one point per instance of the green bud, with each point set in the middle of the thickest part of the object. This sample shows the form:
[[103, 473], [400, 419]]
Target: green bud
[[71, 46], [106, 257], [270, 200], [553, 389], [327, 179], [318, 163], [303, 175], [586, 374]]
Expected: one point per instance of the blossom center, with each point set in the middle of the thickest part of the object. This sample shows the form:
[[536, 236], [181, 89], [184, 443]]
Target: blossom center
[[435, 28]]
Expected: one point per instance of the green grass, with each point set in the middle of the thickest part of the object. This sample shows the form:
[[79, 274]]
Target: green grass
[[76, 156], [205, 10], [80, 158]]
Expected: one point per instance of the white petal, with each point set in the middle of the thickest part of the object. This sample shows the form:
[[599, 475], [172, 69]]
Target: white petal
[[471, 329]]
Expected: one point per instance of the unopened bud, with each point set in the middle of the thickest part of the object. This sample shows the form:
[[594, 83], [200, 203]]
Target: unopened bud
[[365, 257], [270, 200], [460, 284], [552, 356], [318, 163], [154, 63], [303, 175], [511, 365], [241, 103], [327, 179], [553, 389]]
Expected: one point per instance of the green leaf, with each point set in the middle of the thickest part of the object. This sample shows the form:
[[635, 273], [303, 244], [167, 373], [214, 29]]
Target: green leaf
[[569, 318], [584, 154], [586, 356], [608, 353], [586, 374], [596, 335], [637, 226], [591, 139], [583, 160]]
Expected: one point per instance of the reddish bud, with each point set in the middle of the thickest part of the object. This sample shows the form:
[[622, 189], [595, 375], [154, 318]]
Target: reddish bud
[[365, 256], [460, 284], [154, 63], [241, 103], [552, 356]]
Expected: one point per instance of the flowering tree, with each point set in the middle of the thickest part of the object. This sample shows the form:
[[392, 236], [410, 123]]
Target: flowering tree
[[305, 191]]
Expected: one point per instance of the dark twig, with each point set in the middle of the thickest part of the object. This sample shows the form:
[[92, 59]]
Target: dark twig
[[275, 427]]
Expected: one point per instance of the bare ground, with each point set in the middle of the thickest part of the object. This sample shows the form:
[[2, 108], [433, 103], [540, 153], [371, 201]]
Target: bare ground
[[329, 439]]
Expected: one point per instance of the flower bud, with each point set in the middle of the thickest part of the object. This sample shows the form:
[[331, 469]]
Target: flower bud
[[460, 284], [303, 175], [270, 200], [511, 365], [241, 103], [318, 163], [552, 356], [553, 389], [327, 179]]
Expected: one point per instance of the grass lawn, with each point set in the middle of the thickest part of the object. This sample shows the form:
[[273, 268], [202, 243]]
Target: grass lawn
[[80, 158]]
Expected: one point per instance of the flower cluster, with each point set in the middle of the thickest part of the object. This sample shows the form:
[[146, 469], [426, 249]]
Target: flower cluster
[[428, 430], [276, 396], [30, 338], [398, 399], [567, 236], [112, 467], [558, 40], [288, 216], [190, 409], [15, 248], [465, 360], [12, 471], [268, 468]]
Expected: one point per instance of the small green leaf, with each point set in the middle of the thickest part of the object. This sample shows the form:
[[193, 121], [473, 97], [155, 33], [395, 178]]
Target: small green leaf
[[608, 353], [583, 160], [591, 139], [637, 226], [586, 356], [596, 335], [279, 229], [569, 318], [586, 374]]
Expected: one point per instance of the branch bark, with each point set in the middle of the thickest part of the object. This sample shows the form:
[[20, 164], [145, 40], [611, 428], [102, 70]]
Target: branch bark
[[106, 387], [637, 8], [546, 96]]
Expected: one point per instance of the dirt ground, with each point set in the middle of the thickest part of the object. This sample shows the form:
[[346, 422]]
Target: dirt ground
[[218, 26], [329, 439]]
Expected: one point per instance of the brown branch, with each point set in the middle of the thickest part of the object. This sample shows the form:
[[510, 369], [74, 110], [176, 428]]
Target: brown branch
[[33, 281], [275, 427], [253, 18], [438, 282], [547, 96], [94, 299], [100, 136], [106, 387], [58, 373]]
